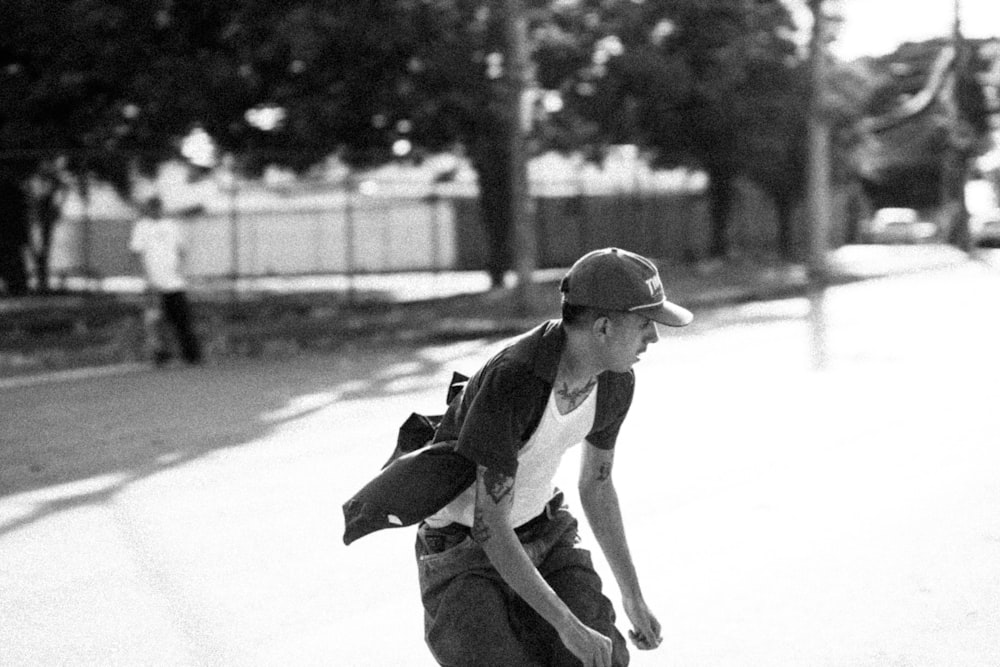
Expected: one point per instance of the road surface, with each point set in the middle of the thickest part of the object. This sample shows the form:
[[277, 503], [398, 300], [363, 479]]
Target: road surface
[[804, 483]]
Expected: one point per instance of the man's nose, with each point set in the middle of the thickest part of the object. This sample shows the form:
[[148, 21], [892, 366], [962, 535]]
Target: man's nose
[[653, 335]]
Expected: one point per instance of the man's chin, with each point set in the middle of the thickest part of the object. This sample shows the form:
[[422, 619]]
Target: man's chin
[[627, 366]]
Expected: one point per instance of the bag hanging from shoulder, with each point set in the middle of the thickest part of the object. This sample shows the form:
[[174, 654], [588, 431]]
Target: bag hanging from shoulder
[[420, 477]]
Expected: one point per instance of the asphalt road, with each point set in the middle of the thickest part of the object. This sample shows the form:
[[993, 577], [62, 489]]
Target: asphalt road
[[804, 483]]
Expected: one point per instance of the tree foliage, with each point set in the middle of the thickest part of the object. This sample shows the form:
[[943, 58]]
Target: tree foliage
[[927, 105], [103, 88], [109, 86], [96, 89], [715, 84], [356, 78]]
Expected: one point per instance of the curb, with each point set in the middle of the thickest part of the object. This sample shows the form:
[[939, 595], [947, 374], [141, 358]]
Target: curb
[[82, 373], [781, 283]]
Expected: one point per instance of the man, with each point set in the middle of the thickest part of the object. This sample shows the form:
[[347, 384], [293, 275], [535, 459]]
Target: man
[[501, 578], [159, 242]]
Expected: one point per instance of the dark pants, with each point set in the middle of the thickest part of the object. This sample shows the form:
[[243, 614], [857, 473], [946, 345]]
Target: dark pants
[[177, 313], [472, 618]]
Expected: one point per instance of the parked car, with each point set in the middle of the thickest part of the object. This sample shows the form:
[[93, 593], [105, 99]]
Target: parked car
[[900, 225], [985, 228]]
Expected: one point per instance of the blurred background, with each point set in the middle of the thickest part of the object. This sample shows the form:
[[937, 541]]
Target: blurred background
[[376, 194], [420, 149]]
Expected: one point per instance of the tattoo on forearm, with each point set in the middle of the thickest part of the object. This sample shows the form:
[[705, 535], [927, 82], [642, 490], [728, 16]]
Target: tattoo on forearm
[[498, 487], [497, 484], [480, 531], [575, 396]]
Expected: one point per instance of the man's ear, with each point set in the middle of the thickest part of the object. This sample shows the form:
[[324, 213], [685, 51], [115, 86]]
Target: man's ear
[[601, 326]]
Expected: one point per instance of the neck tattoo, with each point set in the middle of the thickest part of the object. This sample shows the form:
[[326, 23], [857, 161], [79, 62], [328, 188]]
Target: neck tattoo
[[575, 396]]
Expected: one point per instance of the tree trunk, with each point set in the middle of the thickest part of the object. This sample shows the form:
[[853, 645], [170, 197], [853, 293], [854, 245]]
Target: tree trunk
[[46, 215], [786, 231], [14, 236], [859, 209], [720, 199], [491, 159]]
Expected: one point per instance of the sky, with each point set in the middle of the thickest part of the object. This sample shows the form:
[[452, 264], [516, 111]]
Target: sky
[[876, 27]]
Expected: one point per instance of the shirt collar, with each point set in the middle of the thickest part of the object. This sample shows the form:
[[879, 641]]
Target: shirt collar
[[541, 348]]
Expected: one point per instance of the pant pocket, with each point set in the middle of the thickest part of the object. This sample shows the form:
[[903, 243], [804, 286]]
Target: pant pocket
[[436, 543]]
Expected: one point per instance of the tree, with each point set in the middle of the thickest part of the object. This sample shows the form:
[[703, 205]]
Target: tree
[[106, 88], [713, 84], [356, 79], [97, 89], [14, 235], [926, 106]]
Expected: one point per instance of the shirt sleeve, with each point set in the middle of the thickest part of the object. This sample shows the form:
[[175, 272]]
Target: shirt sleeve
[[491, 430], [616, 404]]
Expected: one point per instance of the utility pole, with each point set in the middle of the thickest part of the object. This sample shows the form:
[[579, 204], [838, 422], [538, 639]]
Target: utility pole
[[820, 199], [518, 73], [954, 165]]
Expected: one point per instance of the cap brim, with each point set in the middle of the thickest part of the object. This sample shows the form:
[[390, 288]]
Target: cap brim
[[668, 313]]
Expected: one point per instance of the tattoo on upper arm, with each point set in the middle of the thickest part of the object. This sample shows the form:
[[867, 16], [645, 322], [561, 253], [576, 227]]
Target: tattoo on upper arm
[[604, 472]]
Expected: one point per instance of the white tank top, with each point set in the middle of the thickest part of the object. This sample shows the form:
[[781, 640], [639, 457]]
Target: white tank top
[[537, 464]]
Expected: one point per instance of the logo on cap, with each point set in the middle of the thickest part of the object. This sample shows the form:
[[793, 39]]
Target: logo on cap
[[654, 285]]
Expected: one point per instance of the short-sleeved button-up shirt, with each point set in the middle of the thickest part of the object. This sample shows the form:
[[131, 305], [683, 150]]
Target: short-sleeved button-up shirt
[[503, 403], [487, 423]]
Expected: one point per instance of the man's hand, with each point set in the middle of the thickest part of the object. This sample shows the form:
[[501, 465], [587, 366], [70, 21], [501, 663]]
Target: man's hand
[[646, 632], [491, 528], [591, 647]]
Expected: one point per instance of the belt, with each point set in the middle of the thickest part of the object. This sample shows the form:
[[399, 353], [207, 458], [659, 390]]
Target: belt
[[525, 528], [545, 516]]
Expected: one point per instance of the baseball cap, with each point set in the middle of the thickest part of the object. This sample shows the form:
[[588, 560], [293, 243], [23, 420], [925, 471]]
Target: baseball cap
[[619, 280]]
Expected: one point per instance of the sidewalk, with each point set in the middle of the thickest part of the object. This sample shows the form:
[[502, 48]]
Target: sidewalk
[[699, 287], [44, 335]]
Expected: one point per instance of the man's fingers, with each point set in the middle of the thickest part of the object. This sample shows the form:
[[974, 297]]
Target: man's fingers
[[642, 641]]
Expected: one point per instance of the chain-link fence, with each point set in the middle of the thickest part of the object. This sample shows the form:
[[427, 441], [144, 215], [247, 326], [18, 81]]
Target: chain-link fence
[[357, 227]]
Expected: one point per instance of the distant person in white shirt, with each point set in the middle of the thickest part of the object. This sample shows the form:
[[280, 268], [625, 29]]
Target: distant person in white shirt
[[160, 244]]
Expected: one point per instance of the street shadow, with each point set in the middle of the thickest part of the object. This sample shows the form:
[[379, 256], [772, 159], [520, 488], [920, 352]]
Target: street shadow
[[82, 443], [128, 428]]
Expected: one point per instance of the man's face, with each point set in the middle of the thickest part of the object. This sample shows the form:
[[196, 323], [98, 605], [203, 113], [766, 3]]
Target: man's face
[[625, 337]]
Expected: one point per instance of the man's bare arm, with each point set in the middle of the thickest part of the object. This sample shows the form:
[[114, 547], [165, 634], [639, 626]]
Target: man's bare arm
[[492, 529], [600, 504]]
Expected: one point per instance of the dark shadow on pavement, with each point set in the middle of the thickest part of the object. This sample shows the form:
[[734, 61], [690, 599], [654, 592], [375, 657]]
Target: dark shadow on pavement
[[128, 428]]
